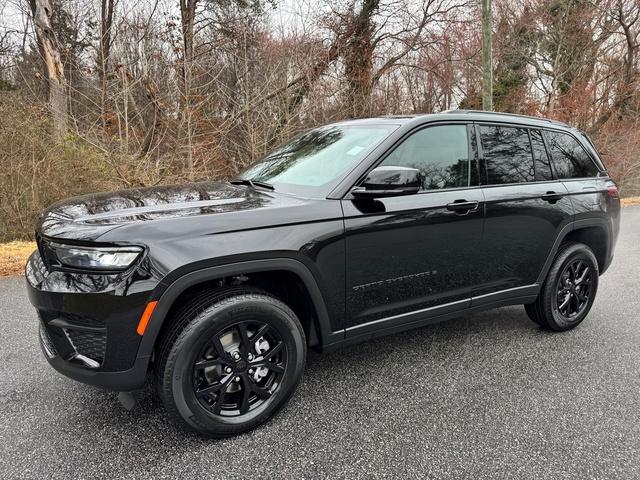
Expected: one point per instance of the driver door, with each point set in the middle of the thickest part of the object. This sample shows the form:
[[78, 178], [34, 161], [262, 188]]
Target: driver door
[[412, 256]]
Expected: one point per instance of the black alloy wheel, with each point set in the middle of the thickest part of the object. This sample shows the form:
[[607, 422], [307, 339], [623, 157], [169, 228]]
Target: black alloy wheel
[[574, 289], [231, 360], [569, 290], [239, 368]]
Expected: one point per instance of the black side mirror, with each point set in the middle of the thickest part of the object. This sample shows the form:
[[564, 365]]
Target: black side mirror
[[389, 182]]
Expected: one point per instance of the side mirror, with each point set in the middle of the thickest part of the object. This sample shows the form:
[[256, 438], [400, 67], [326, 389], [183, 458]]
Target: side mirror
[[389, 182]]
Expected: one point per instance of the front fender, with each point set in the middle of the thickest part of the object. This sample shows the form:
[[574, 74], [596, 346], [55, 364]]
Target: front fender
[[167, 296]]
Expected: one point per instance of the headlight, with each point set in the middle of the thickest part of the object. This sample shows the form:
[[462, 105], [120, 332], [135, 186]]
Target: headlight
[[96, 258]]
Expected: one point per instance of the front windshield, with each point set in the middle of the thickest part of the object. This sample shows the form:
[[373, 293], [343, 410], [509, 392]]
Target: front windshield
[[312, 163]]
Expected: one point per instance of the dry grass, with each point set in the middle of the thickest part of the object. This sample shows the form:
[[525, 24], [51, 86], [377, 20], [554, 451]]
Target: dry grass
[[13, 256], [628, 202]]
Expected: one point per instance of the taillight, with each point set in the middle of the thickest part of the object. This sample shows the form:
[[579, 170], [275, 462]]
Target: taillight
[[613, 192]]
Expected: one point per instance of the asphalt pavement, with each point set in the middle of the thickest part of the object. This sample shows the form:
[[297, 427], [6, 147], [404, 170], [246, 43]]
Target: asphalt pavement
[[489, 395]]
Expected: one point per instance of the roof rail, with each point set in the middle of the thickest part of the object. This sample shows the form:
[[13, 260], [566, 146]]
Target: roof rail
[[505, 114]]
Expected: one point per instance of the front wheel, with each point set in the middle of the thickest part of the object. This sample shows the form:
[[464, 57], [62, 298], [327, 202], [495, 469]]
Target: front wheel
[[569, 290], [231, 360]]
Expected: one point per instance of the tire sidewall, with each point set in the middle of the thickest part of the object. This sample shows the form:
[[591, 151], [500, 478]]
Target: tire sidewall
[[211, 321], [574, 252]]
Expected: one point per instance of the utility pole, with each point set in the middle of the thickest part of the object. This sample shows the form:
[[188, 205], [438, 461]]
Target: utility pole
[[487, 70]]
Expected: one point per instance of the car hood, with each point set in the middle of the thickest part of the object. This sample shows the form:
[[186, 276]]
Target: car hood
[[90, 216]]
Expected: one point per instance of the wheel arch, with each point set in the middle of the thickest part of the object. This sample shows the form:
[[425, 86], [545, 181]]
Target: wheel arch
[[203, 277], [593, 232], [596, 238]]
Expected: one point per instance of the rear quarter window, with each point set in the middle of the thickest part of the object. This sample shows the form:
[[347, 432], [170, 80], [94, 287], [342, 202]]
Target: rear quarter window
[[570, 159]]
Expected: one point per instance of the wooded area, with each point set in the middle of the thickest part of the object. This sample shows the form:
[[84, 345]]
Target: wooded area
[[104, 94]]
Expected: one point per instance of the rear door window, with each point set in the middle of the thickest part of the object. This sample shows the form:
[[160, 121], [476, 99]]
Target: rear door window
[[507, 153], [570, 159], [542, 162]]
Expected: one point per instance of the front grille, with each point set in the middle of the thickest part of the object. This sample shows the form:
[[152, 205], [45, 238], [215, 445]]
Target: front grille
[[88, 343], [47, 344]]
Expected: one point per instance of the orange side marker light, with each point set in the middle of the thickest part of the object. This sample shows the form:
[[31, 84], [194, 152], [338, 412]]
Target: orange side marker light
[[146, 316]]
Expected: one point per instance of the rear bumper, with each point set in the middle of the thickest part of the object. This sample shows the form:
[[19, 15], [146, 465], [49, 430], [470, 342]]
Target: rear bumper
[[88, 326]]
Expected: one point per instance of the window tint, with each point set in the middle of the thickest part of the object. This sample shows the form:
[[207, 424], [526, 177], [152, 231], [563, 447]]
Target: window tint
[[507, 153], [441, 153], [569, 158], [542, 163]]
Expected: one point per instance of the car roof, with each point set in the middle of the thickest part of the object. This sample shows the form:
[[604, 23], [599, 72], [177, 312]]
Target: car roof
[[463, 115]]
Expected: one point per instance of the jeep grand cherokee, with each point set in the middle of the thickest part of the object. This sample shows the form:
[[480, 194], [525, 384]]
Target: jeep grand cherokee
[[349, 231]]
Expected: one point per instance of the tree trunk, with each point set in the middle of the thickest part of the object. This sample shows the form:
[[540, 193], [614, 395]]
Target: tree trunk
[[150, 138], [487, 67], [359, 60], [49, 51], [104, 52]]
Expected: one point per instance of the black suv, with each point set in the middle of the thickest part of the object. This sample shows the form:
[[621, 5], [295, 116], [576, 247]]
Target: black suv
[[349, 231]]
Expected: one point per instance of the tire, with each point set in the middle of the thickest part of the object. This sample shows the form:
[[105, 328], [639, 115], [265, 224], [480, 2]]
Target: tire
[[563, 286], [193, 368]]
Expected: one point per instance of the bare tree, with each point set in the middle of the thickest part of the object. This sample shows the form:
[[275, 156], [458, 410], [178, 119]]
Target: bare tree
[[390, 31], [107, 8], [626, 17], [50, 52]]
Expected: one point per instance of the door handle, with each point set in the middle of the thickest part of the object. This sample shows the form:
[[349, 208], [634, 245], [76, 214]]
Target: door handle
[[551, 197], [462, 207]]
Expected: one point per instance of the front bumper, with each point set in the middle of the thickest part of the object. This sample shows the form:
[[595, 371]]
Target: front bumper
[[124, 381], [88, 325]]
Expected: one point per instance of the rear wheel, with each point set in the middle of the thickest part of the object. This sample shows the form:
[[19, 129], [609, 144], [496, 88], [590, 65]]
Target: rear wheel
[[230, 362], [569, 290]]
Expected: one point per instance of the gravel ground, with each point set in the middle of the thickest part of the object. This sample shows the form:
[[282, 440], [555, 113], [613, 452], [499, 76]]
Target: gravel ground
[[489, 395]]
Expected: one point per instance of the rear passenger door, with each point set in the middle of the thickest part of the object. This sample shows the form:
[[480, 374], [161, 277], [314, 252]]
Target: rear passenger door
[[526, 207], [579, 174]]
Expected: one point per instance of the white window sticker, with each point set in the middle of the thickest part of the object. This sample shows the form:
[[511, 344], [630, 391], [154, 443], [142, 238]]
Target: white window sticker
[[355, 150]]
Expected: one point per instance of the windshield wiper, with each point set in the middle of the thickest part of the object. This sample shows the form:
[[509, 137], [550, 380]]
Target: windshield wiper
[[251, 183]]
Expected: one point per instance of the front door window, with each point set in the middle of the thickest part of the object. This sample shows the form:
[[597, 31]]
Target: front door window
[[441, 153]]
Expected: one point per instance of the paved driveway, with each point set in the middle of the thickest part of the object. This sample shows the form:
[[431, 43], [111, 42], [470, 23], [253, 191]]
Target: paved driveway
[[489, 395]]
